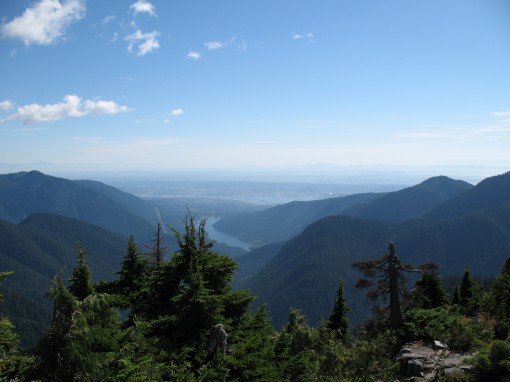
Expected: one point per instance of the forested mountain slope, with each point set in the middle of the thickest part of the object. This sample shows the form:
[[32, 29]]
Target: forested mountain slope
[[306, 271], [25, 193], [38, 248], [490, 192], [282, 222], [411, 202]]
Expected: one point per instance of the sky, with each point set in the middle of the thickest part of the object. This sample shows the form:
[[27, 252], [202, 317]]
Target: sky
[[100, 85]]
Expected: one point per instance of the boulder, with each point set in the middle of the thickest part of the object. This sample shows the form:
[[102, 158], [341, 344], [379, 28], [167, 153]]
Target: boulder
[[423, 362]]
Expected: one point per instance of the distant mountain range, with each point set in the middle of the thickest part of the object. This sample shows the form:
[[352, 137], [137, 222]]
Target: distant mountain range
[[41, 219], [25, 193], [305, 248], [470, 227]]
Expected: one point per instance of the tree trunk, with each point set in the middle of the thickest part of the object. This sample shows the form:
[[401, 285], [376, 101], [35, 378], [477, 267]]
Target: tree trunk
[[395, 313]]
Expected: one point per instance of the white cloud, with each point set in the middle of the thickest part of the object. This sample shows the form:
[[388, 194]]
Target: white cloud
[[72, 106], [6, 105], [501, 114], [45, 22], [194, 55], [298, 36], [176, 112], [108, 19], [145, 42], [142, 6], [215, 45]]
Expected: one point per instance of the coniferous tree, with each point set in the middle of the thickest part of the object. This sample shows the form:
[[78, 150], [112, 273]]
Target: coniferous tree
[[500, 301], [81, 284], [338, 320], [192, 293], [81, 339], [11, 360], [157, 250], [468, 298], [386, 275], [133, 272], [456, 297], [428, 292]]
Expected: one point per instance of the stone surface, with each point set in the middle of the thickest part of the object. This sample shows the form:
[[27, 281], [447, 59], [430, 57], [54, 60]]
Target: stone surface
[[422, 362]]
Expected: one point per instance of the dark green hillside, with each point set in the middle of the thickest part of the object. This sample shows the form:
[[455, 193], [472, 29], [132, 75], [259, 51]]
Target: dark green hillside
[[38, 248], [252, 262], [282, 222], [411, 202], [306, 271], [488, 193], [25, 193], [132, 203]]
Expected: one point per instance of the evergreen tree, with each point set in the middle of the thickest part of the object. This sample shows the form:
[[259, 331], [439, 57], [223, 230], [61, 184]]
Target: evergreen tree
[[428, 292], [81, 339], [456, 297], [133, 273], [80, 284], [157, 249], [500, 301], [12, 362], [192, 293], [387, 277], [338, 320], [468, 294]]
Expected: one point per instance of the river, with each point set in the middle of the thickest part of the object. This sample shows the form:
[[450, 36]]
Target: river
[[224, 238]]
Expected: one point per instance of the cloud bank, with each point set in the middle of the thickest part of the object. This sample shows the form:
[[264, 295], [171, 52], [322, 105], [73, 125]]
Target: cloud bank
[[72, 106], [45, 23]]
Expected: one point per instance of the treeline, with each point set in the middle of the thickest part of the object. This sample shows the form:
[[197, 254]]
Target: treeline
[[180, 320]]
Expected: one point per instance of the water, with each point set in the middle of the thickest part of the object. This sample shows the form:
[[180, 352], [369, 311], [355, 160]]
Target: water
[[224, 238]]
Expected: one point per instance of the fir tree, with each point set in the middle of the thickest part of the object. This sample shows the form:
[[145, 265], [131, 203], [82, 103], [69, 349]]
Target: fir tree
[[80, 284], [338, 320], [468, 294], [133, 272], [157, 249], [428, 292], [500, 301], [456, 297]]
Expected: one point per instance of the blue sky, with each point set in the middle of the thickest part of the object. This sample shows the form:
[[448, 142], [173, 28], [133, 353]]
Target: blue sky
[[163, 85]]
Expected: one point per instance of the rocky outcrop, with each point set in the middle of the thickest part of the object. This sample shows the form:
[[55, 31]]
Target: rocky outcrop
[[428, 362]]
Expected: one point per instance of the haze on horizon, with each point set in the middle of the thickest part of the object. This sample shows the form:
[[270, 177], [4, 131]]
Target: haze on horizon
[[364, 86]]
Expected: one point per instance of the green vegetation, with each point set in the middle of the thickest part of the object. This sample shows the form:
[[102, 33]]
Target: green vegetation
[[177, 307]]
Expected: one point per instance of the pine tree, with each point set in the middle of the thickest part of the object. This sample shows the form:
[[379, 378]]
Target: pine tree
[[387, 277], [81, 284], [338, 320]]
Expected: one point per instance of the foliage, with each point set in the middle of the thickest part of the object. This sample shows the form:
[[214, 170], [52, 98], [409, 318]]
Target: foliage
[[12, 362], [499, 301], [447, 325], [338, 320], [81, 284], [80, 341], [493, 361], [385, 275], [428, 293]]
